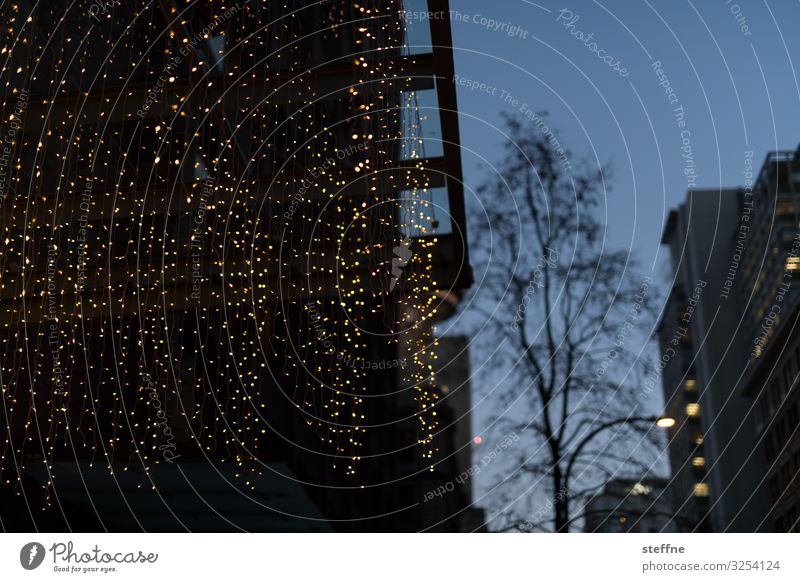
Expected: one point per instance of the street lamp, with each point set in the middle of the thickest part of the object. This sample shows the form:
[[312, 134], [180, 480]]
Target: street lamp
[[665, 422]]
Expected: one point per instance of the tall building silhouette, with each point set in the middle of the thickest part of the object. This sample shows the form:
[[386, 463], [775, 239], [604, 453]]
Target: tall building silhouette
[[715, 481]]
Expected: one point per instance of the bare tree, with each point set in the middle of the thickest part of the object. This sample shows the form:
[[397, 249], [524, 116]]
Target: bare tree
[[566, 316]]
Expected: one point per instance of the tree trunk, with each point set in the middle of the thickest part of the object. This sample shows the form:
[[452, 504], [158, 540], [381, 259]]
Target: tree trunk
[[561, 507]]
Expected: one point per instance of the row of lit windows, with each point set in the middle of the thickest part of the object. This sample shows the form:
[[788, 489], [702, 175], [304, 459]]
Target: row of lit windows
[[692, 408], [698, 460]]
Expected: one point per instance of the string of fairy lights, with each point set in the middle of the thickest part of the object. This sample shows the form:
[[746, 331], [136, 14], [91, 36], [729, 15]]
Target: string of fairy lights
[[199, 233]]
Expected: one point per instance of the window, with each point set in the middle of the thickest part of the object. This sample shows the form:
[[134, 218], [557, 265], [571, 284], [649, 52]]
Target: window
[[701, 489], [425, 212], [422, 126], [418, 30], [693, 410]]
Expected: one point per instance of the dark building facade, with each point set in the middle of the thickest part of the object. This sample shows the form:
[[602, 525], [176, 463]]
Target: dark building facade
[[741, 347], [717, 484], [632, 506], [772, 247], [770, 291], [773, 386], [228, 231]]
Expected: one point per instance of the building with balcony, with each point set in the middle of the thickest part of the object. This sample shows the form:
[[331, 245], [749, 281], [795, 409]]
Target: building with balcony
[[229, 229]]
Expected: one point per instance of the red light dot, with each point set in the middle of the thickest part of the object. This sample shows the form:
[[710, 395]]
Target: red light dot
[[477, 440]]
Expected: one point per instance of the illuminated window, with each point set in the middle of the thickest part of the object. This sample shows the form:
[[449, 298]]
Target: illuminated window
[[698, 439], [693, 409], [690, 385], [640, 489], [701, 489], [792, 263], [785, 208], [698, 461]]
